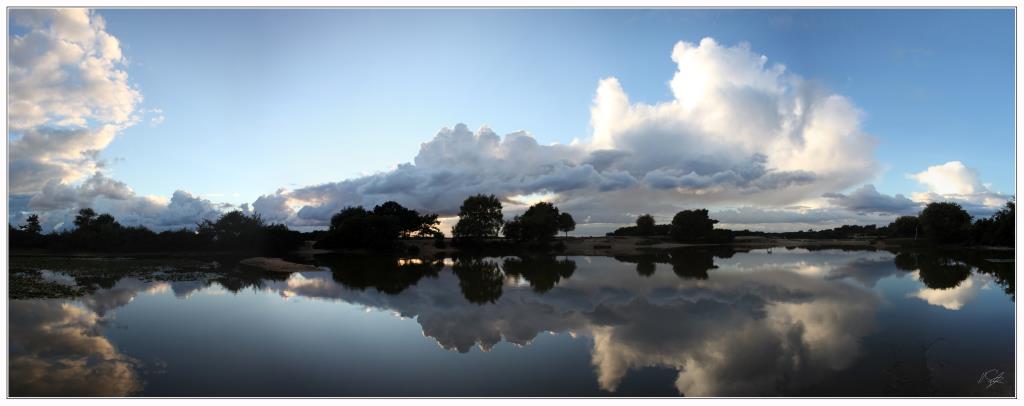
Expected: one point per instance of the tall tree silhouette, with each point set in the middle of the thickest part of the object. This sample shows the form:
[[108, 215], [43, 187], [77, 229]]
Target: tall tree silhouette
[[645, 225], [84, 218], [566, 223], [691, 225], [31, 225], [479, 217]]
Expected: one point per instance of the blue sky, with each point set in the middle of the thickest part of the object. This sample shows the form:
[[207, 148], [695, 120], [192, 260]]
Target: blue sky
[[252, 101], [260, 99]]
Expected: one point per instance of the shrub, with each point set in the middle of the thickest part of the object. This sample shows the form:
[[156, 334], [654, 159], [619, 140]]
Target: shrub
[[945, 222]]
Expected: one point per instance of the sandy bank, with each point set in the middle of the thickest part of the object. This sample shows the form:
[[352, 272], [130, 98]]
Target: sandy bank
[[276, 265]]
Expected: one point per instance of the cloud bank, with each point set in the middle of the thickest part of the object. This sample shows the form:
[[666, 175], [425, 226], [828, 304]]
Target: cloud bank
[[738, 131], [867, 199]]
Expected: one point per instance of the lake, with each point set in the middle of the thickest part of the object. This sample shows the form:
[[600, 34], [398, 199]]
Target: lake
[[712, 321]]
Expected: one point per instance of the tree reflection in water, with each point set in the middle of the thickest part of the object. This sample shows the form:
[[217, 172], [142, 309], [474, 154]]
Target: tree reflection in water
[[480, 279], [948, 268], [386, 274], [687, 262], [790, 323], [542, 272]]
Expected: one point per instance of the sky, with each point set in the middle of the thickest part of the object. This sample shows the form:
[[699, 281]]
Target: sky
[[772, 119]]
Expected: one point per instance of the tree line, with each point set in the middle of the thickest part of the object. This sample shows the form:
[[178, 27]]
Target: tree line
[[232, 231], [690, 226], [381, 228], [948, 223], [938, 222], [480, 219], [480, 222]]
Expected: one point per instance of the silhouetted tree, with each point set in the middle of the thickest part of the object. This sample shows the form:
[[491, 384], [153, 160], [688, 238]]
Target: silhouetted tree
[[539, 223], [105, 221], [84, 218], [692, 225], [904, 226], [513, 229], [354, 227], [28, 235], [995, 230], [659, 229], [439, 242], [645, 225], [278, 238], [339, 218], [31, 225], [428, 225], [479, 217], [233, 230], [945, 222], [1004, 219], [409, 221], [566, 223]]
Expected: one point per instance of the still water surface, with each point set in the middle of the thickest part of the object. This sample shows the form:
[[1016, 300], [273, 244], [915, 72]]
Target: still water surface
[[694, 322]]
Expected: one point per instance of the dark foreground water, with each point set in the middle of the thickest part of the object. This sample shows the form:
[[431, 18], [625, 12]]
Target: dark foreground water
[[695, 322]]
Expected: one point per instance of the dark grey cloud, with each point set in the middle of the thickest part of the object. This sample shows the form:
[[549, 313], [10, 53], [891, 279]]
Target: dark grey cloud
[[272, 208], [56, 195], [866, 199]]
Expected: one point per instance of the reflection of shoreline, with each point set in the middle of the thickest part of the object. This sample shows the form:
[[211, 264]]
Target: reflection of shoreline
[[773, 322], [636, 245], [781, 321]]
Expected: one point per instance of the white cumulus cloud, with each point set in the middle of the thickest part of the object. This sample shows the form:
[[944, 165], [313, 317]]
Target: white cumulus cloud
[[956, 182], [68, 98], [738, 131]]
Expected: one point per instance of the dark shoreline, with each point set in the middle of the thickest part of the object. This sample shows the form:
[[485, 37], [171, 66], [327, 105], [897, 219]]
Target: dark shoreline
[[573, 246]]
